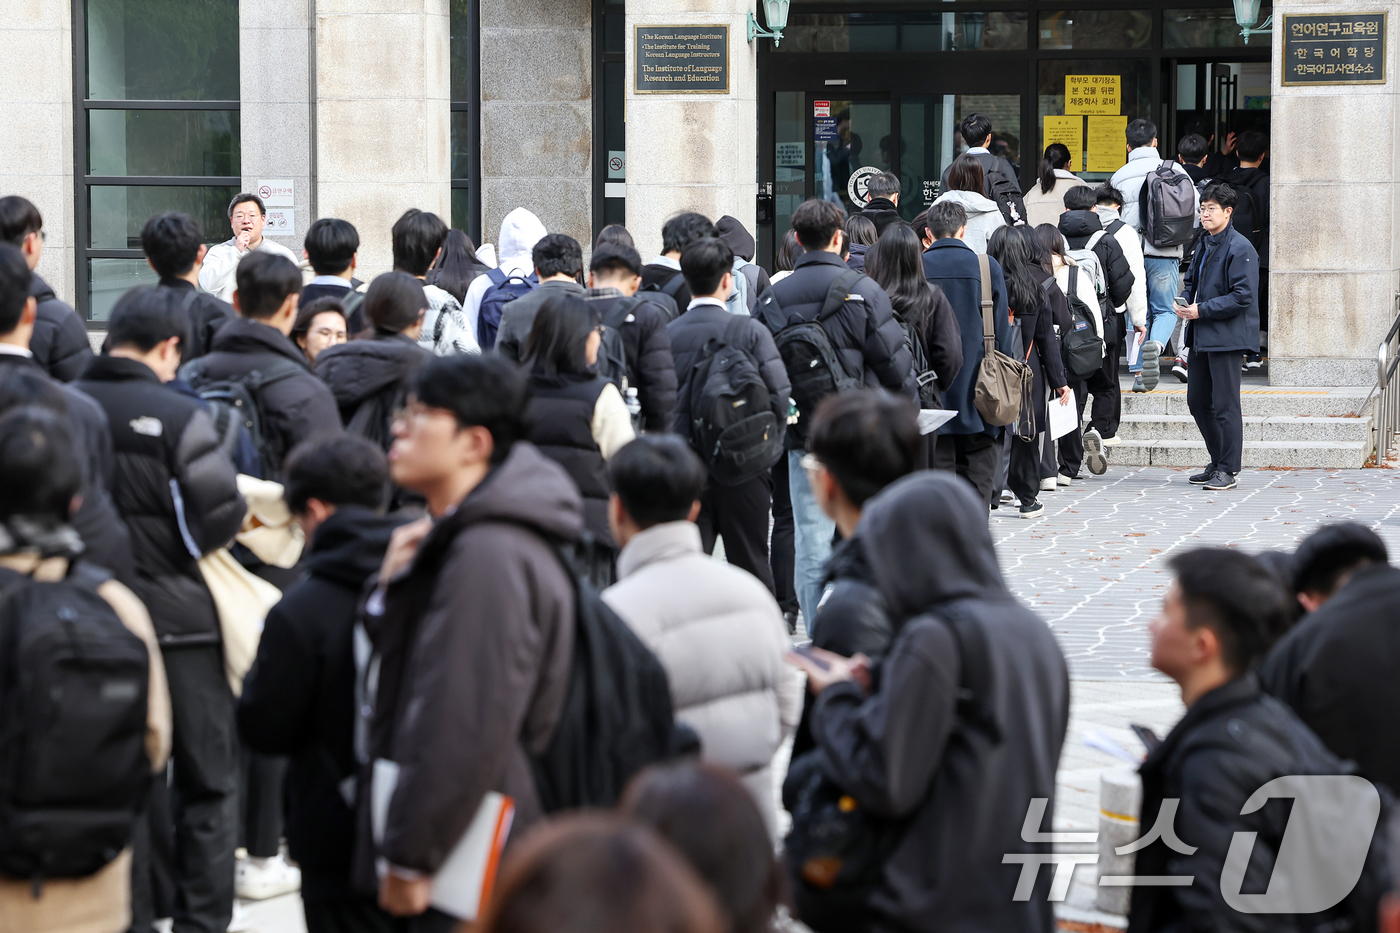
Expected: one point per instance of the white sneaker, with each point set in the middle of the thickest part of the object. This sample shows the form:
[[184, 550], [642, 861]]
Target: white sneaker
[[1048, 484], [1113, 441], [260, 879], [242, 920], [1093, 452]]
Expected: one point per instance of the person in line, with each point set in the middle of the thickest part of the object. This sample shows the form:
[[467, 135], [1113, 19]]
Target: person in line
[[558, 260], [1046, 199], [331, 246], [520, 231], [882, 202], [1110, 205], [615, 235], [320, 325], [175, 250], [1191, 152], [1042, 269], [418, 237], [976, 131], [967, 444], [860, 236], [750, 279], [965, 725], [788, 252], [1222, 324], [59, 343], [706, 813], [870, 344], [40, 478], [472, 616], [715, 628], [965, 185], [1161, 264], [663, 273], [247, 215], [614, 275], [456, 266], [576, 417], [369, 377], [1253, 149], [299, 697], [1071, 448], [178, 493], [1218, 618]]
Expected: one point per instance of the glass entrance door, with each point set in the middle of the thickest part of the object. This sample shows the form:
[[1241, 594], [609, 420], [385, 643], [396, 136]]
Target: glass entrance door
[[929, 140]]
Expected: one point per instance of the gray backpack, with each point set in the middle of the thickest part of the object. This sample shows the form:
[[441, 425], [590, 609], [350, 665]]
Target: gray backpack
[[1168, 206]]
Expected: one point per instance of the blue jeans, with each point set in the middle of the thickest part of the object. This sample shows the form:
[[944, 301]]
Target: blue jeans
[[812, 534], [1163, 282]]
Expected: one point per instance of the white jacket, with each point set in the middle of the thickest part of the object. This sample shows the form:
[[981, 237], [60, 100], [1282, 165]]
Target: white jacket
[[445, 330], [1045, 207], [721, 637], [520, 231], [1085, 285], [1128, 238], [1128, 180], [983, 217], [220, 263]]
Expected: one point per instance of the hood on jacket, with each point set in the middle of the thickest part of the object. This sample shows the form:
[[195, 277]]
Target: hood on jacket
[[740, 240], [527, 488], [349, 546], [927, 542], [1076, 224], [520, 231], [972, 202], [40, 290], [358, 369], [245, 335]]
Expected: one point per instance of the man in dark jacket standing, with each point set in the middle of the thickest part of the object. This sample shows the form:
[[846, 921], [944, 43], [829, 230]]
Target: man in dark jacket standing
[[299, 698], [614, 275], [966, 444], [869, 343], [882, 201], [1222, 324], [60, 342], [473, 619], [964, 730], [179, 496], [737, 513], [1253, 149], [174, 248]]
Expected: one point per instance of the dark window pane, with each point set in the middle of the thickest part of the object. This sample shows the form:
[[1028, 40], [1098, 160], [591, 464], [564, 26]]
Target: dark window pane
[[461, 50], [109, 279], [162, 49], [1096, 29], [461, 213], [614, 33], [904, 32], [931, 142], [461, 155], [1208, 29], [614, 109], [163, 142], [614, 211], [116, 212]]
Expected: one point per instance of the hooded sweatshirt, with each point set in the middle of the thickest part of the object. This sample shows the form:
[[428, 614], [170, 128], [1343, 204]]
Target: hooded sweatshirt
[[983, 217], [371, 372], [930, 552], [520, 231]]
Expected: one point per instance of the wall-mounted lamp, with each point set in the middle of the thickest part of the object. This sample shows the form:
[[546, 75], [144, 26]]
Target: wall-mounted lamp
[[1246, 15], [776, 12]]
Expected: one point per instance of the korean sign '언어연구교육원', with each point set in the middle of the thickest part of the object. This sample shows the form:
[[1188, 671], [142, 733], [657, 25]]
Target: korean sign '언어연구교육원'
[[1342, 48]]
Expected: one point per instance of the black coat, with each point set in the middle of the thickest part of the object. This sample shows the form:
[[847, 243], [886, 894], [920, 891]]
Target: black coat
[[1040, 347], [941, 338], [904, 752], [206, 313], [864, 332], [1224, 281], [299, 698], [355, 319], [647, 342], [1077, 228], [176, 490], [692, 330], [371, 372], [855, 258], [560, 424], [991, 165], [1257, 182], [882, 213], [655, 275], [1339, 670], [60, 341]]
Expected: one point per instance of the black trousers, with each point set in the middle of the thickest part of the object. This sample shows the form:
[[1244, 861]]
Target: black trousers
[[782, 556], [260, 802], [1023, 468], [1072, 444], [1213, 395], [204, 793], [971, 456], [739, 515], [1108, 396], [350, 915]]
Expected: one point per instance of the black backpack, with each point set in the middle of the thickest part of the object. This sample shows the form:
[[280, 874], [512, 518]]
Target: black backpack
[[1002, 189], [1083, 347], [238, 400], [74, 771], [929, 394], [732, 424], [813, 365], [612, 352]]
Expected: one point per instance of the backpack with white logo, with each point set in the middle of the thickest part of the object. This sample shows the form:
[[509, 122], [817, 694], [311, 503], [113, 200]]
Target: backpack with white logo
[[813, 364], [1168, 206], [732, 424]]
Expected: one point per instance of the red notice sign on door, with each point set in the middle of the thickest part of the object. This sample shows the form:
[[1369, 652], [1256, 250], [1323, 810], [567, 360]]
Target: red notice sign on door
[[822, 108]]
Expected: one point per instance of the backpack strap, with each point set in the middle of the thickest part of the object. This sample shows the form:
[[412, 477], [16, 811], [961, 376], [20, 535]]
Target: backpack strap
[[497, 277], [1093, 240], [734, 330], [989, 330], [839, 293], [975, 680], [673, 286], [1114, 226]]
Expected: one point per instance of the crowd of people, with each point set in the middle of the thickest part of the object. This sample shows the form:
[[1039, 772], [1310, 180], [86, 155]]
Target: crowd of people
[[467, 511]]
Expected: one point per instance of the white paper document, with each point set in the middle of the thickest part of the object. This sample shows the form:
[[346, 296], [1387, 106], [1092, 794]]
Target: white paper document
[[1135, 350], [931, 419], [1063, 418]]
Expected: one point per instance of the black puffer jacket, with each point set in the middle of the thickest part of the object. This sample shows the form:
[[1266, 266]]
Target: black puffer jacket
[[60, 341], [882, 213], [207, 316], [650, 369], [176, 490], [560, 420], [1077, 227], [372, 373], [696, 327], [864, 332]]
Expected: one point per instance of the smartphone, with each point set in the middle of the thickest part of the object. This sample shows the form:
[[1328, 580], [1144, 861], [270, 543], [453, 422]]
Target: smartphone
[[1146, 736], [1181, 302], [807, 652]]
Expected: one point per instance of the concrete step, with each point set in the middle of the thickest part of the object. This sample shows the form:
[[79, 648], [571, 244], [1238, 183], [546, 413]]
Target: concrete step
[[1275, 428], [1169, 398], [1276, 453]]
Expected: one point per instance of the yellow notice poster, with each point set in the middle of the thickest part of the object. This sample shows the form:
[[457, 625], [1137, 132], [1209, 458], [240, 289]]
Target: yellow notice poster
[[1069, 132], [1094, 94], [1107, 150]]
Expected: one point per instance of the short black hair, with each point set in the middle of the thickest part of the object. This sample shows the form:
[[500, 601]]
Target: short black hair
[[40, 471], [246, 197], [171, 242], [883, 185], [15, 281], [148, 315], [306, 313], [945, 219], [1080, 198], [264, 281], [816, 222], [920, 223], [1108, 196], [1140, 133], [658, 478], [611, 258], [486, 391], [395, 301], [331, 244], [338, 469], [1252, 145], [1236, 597], [1221, 194], [866, 439], [417, 237], [974, 129], [683, 229], [557, 254], [789, 251], [18, 218], [1332, 551], [1192, 148], [615, 234], [704, 263]]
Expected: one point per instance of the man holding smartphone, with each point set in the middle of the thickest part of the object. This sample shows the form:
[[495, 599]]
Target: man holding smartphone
[[1220, 306]]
